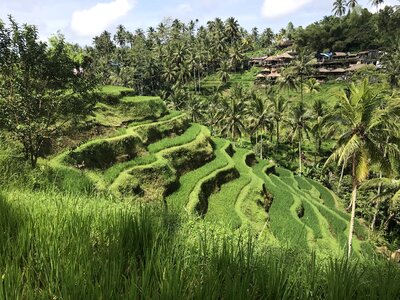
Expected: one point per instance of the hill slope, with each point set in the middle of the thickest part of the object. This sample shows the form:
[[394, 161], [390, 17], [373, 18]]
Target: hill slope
[[159, 156]]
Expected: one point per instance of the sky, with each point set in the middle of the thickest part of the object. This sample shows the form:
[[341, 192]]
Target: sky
[[81, 20]]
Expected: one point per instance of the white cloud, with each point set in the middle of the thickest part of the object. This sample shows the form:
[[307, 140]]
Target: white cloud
[[93, 21], [184, 8], [273, 9]]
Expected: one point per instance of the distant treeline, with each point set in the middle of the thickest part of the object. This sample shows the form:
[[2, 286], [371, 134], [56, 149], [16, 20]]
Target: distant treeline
[[357, 30]]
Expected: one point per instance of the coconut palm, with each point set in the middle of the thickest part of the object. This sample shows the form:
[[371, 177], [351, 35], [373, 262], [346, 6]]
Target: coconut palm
[[390, 194], [351, 4], [318, 114], [312, 86], [223, 72], [339, 8], [376, 3], [233, 113], [287, 81], [299, 120], [278, 107], [259, 116], [300, 69], [364, 126], [232, 31]]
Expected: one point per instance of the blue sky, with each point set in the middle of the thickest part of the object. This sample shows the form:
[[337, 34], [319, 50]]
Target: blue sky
[[81, 20]]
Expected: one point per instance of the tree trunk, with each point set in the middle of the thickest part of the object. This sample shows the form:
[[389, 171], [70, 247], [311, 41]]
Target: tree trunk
[[301, 89], [300, 166], [353, 208], [386, 225], [277, 134], [341, 175], [373, 222]]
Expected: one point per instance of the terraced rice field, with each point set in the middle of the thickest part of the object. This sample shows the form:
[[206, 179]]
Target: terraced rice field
[[160, 156]]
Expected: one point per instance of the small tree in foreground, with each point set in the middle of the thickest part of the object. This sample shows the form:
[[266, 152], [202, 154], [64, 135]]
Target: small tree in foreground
[[40, 87]]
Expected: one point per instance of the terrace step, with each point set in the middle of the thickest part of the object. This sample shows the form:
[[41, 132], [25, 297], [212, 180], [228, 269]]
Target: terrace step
[[160, 177]]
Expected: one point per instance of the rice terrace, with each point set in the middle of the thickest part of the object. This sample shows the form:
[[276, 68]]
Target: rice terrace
[[199, 158]]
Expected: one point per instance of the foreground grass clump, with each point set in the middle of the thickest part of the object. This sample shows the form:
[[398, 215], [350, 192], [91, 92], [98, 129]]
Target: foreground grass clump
[[78, 247]]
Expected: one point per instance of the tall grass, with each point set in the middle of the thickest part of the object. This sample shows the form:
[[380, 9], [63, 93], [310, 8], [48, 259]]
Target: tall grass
[[55, 246]]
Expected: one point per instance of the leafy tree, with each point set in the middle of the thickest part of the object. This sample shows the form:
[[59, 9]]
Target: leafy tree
[[39, 90], [364, 127]]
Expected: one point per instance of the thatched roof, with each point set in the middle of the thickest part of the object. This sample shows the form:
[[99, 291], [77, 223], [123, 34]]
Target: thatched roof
[[260, 76], [272, 58], [324, 70], [357, 67], [339, 70], [266, 70], [273, 75], [284, 55], [340, 54]]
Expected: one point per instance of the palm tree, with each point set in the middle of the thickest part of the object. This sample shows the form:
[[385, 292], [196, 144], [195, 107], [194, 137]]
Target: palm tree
[[390, 195], [232, 30], [233, 113], [318, 113], [235, 58], [278, 107], [376, 3], [195, 108], [223, 72], [259, 115], [299, 121], [351, 4], [287, 81], [301, 68], [365, 126], [312, 86], [339, 8]]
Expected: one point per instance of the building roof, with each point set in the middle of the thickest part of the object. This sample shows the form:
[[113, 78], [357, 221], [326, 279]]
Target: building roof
[[340, 54], [285, 55], [272, 58], [357, 67], [273, 75]]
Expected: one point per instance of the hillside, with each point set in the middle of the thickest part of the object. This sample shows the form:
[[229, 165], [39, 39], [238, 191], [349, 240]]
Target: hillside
[[157, 208], [158, 155]]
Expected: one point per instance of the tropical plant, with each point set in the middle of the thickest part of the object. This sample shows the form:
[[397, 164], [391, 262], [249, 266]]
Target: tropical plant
[[223, 72], [351, 4], [339, 8], [312, 86], [233, 110], [278, 108], [260, 116], [364, 126], [299, 122]]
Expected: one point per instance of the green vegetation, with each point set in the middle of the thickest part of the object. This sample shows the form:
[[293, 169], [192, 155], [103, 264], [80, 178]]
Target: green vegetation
[[105, 249], [121, 191]]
